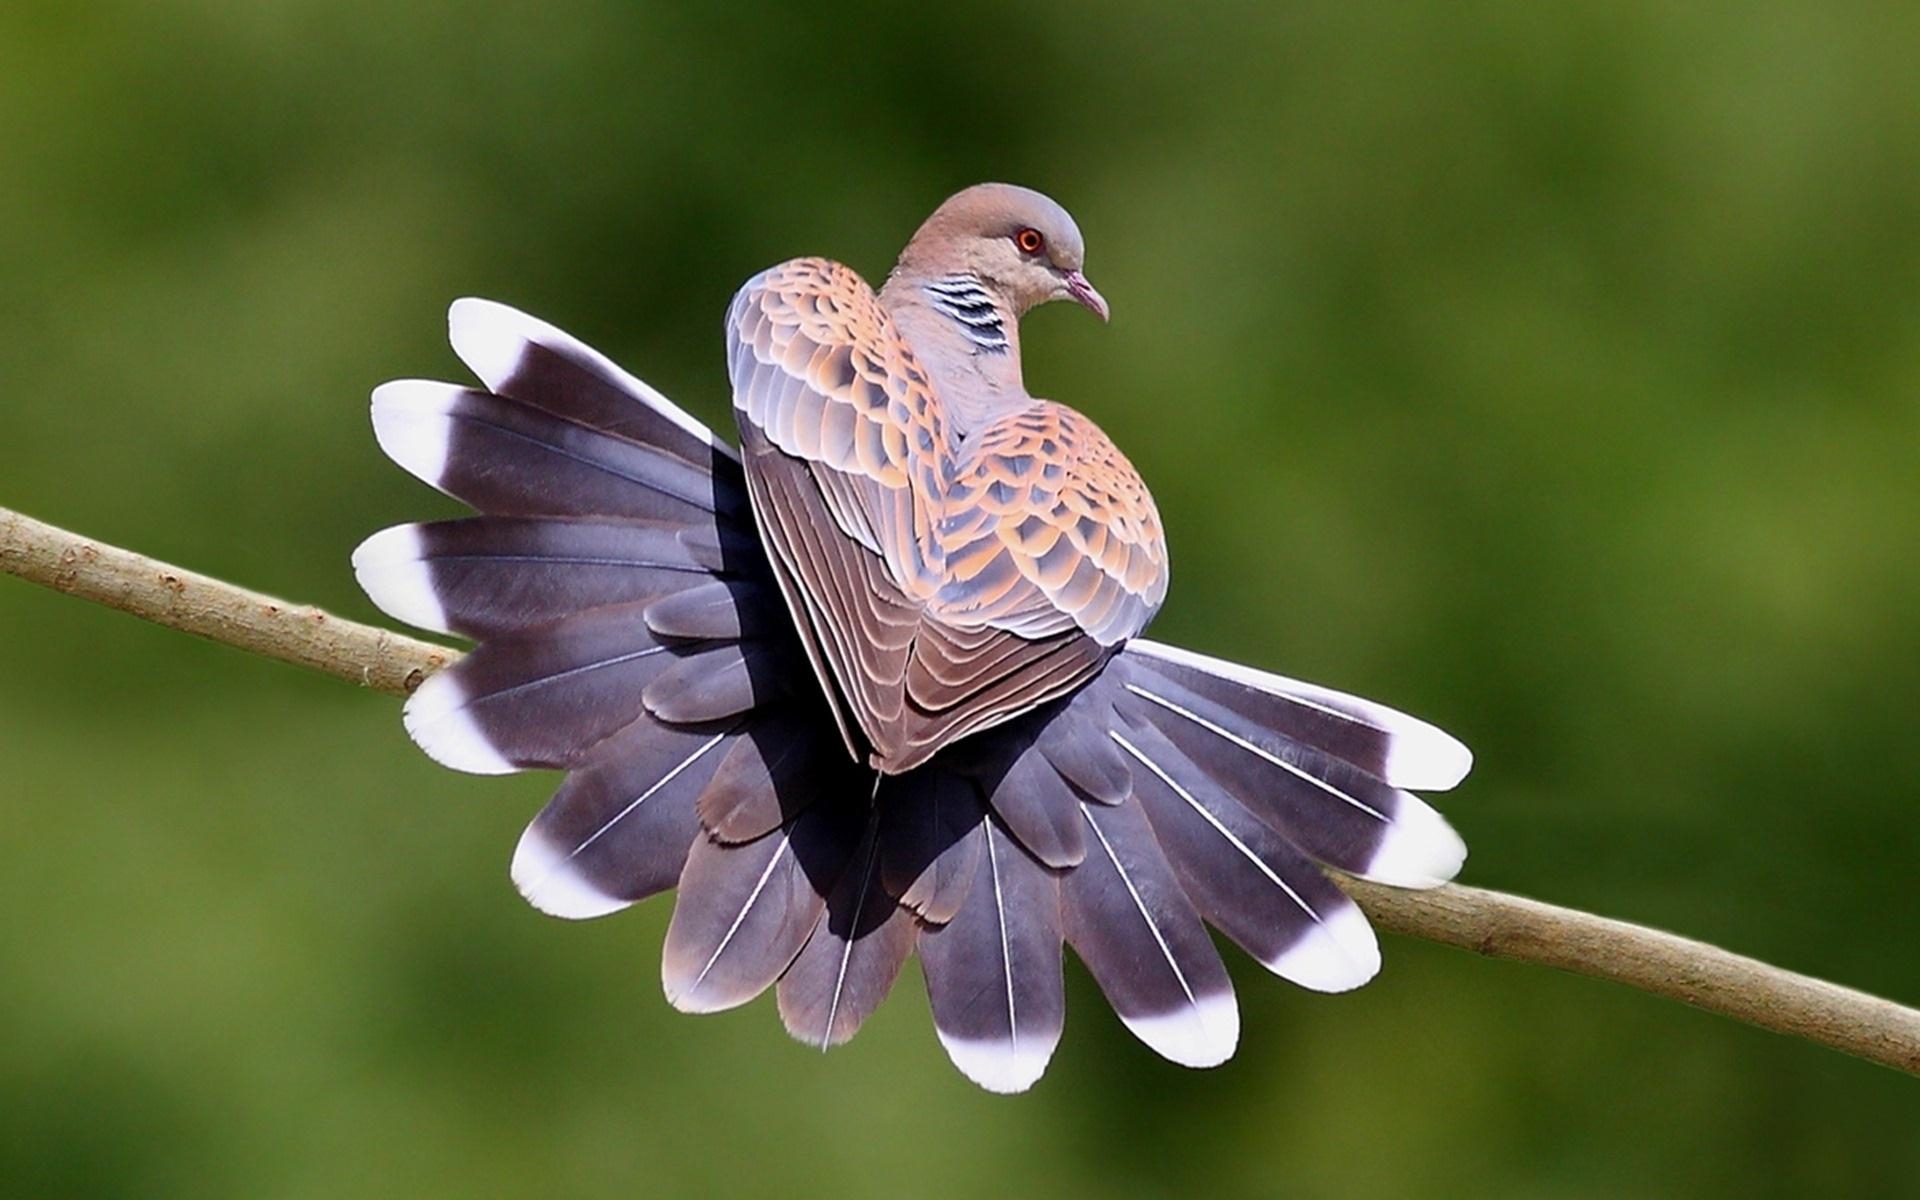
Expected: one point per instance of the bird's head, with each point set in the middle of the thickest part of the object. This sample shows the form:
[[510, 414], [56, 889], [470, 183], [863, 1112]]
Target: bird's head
[[1017, 242]]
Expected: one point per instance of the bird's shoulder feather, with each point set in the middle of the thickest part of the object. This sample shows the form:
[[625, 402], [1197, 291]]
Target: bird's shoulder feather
[[1047, 526]]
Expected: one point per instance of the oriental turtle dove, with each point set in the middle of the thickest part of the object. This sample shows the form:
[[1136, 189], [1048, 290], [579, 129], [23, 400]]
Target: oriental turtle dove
[[873, 686]]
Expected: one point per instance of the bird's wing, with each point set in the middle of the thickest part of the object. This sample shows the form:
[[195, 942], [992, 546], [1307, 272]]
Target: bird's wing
[[938, 595], [1048, 529], [846, 454], [1053, 557]]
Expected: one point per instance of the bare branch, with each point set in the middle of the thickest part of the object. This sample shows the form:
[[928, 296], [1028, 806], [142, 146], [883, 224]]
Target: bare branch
[[1733, 985], [1490, 923], [194, 603]]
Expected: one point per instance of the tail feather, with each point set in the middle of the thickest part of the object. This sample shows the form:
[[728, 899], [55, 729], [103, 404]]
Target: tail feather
[[743, 912], [1127, 917], [849, 964], [541, 698], [712, 680], [930, 839], [1040, 809], [1335, 812], [1391, 746], [1077, 748], [1247, 880], [1036, 771], [484, 577], [531, 361], [619, 828], [776, 772], [717, 610], [509, 459], [993, 972]]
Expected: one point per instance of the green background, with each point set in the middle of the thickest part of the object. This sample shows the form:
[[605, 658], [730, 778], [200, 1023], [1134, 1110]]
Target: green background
[[1552, 371]]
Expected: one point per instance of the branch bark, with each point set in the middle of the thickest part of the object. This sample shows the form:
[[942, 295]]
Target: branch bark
[[219, 611], [1486, 922]]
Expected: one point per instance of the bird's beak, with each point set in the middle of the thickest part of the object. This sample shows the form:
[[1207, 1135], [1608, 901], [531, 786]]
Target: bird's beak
[[1085, 293]]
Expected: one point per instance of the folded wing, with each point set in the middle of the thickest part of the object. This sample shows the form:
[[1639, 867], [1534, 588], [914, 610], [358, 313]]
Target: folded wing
[[939, 591]]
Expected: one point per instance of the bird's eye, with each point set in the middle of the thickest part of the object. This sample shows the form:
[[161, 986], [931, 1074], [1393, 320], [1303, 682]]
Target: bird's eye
[[1030, 241]]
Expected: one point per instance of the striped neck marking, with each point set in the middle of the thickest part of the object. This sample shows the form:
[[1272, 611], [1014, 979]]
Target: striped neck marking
[[963, 299]]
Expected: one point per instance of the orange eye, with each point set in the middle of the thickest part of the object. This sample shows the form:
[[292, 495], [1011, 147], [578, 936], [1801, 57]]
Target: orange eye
[[1030, 241]]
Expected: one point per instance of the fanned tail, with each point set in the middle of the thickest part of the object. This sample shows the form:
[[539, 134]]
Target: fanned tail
[[1321, 768], [632, 634]]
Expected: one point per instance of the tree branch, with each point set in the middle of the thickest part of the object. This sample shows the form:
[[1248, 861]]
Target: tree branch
[[1665, 964], [197, 604], [1489, 923]]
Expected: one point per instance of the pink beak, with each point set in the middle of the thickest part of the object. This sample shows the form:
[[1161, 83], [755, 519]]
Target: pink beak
[[1085, 293]]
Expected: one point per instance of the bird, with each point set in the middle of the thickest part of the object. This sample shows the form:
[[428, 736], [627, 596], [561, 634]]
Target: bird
[[871, 686]]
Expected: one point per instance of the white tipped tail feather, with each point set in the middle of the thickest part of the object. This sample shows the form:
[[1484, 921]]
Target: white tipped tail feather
[[437, 719], [390, 569], [1419, 849], [545, 875], [493, 338], [1203, 1035], [1002, 1065], [1419, 755], [411, 423], [1336, 955]]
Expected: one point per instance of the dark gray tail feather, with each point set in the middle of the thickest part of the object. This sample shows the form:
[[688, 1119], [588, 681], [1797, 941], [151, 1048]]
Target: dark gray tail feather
[[744, 912], [507, 459], [770, 776], [993, 971], [1247, 880], [619, 828], [931, 838], [632, 635], [856, 951], [1338, 812], [1125, 915]]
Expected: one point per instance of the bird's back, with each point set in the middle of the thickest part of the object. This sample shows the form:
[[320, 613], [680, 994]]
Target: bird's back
[[945, 579]]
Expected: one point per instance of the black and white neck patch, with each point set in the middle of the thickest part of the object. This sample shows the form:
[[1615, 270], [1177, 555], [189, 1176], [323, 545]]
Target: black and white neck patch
[[965, 300]]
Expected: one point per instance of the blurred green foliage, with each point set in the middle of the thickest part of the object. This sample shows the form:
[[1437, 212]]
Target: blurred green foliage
[[1550, 370]]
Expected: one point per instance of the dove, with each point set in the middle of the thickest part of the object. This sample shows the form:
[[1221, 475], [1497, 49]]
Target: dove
[[871, 686]]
